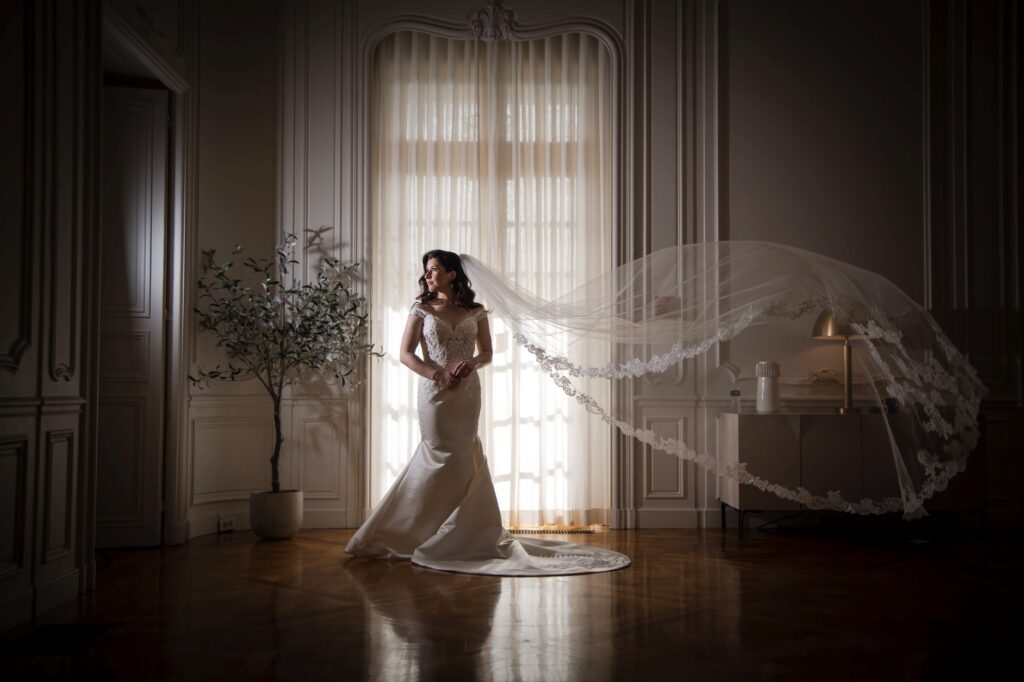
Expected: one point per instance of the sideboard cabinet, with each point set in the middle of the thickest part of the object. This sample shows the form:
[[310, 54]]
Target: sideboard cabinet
[[850, 453]]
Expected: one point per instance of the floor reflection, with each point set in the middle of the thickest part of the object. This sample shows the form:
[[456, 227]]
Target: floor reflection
[[553, 628], [423, 624], [694, 605]]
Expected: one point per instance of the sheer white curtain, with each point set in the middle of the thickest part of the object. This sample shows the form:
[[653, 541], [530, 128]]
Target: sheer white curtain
[[501, 150]]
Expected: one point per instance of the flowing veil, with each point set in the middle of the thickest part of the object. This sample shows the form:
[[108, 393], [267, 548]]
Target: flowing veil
[[682, 302]]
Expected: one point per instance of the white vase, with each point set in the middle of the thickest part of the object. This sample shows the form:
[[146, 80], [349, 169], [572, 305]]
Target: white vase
[[275, 516], [767, 373]]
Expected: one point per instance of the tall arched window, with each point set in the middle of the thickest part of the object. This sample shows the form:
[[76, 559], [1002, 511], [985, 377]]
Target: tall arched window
[[502, 150]]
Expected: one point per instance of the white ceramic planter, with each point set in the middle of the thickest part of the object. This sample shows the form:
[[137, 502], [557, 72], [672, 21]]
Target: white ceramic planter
[[275, 516]]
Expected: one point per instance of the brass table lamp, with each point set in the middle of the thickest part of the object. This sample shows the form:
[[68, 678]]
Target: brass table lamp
[[827, 329]]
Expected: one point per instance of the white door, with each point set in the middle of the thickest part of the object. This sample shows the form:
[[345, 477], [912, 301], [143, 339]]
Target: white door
[[131, 400]]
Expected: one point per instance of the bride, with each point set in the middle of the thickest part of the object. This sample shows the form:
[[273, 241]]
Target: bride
[[442, 511]]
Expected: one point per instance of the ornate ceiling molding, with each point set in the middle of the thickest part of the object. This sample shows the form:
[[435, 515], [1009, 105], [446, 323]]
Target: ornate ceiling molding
[[493, 22]]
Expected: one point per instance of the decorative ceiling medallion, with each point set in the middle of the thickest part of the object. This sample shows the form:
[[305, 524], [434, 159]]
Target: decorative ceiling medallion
[[494, 22]]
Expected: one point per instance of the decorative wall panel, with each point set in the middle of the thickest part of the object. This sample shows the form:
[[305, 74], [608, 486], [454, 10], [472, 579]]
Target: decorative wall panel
[[59, 497], [320, 456], [124, 356], [231, 458], [128, 273], [666, 485], [62, 215], [49, 73], [122, 426], [664, 474], [14, 493]]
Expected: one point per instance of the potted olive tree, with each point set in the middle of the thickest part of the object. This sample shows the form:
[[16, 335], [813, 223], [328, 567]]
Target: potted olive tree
[[276, 330]]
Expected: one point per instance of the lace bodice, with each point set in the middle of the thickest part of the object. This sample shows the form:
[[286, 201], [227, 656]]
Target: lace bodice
[[443, 344]]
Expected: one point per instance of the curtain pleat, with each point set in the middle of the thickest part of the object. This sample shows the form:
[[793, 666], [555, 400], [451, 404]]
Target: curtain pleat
[[500, 150]]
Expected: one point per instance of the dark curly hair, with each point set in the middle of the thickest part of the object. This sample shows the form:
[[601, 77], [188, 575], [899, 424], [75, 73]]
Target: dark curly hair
[[462, 288]]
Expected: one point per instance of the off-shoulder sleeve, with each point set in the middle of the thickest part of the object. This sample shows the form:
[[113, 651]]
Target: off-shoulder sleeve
[[418, 312], [481, 313]]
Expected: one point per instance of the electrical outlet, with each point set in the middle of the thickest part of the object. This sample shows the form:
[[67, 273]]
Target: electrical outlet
[[225, 524]]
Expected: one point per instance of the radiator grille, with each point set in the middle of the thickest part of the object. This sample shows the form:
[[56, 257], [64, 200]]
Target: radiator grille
[[552, 531]]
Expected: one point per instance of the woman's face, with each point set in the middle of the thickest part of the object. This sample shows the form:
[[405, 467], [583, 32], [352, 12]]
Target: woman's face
[[436, 276]]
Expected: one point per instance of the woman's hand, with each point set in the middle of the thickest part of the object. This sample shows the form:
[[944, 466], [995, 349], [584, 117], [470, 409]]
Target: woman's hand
[[446, 379], [464, 368]]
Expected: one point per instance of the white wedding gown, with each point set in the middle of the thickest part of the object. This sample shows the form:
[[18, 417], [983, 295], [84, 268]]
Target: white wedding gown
[[442, 512]]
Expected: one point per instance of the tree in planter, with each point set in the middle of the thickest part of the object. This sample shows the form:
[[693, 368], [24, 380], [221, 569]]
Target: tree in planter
[[282, 327]]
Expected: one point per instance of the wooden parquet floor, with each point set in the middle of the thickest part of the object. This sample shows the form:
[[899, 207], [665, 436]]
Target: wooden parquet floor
[[695, 605]]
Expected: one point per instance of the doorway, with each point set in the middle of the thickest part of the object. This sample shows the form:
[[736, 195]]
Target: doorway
[[132, 366]]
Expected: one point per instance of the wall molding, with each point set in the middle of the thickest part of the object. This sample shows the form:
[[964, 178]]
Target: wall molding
[[958, 227], [43, 403], [11, 358], [54, 476], [971, 113], [136, 517], [333, 480], [120, 35], [138, 370], [254, 423], [684, 414], [17, 446], [183, 245], [628, 203], [65, 231], [682, 481], [134, 300]]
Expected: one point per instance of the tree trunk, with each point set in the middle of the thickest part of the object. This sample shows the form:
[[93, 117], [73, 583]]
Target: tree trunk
[[278, 439]]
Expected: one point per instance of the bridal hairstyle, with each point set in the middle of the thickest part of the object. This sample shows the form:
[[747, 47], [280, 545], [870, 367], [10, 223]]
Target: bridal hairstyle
[[461, 286]]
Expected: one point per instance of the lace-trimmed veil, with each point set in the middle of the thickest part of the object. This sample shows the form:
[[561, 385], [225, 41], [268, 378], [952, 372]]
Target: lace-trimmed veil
[[681, 302]]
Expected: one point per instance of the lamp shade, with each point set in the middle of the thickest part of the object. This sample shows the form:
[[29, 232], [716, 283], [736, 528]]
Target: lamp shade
[[826, 327]]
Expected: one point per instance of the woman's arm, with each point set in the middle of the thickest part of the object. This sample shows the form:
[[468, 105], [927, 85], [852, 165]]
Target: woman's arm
[[410, 342], [484, 353]]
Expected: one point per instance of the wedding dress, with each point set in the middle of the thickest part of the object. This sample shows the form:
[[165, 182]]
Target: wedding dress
[[442, 511]]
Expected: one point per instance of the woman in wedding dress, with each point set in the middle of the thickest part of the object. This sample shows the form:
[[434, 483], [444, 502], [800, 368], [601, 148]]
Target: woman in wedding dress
[[442, 511]]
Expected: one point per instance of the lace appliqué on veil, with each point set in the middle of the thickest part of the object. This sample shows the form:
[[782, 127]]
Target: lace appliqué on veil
[[925, 384]]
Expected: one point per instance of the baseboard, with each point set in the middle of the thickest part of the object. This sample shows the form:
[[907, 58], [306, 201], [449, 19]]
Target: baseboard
[[1004, 519], [16, 611], [176, 533], [325, 519], [206, 524], [87, 577], [622, 519], [709, 518], [669, 518], [58, 592]]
